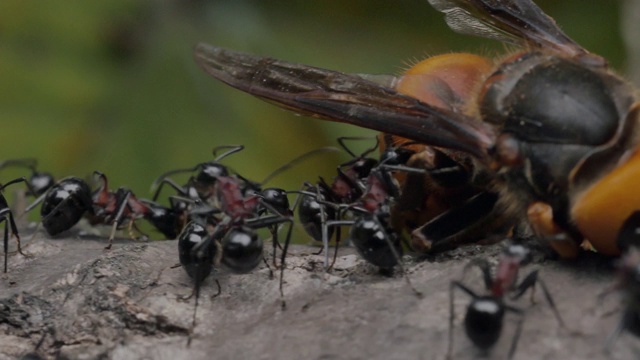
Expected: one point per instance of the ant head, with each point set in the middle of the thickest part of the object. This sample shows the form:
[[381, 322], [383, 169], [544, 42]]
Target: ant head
[[277, 199], [166, 220], [483, 322], [362, 167], [41, 182], [241, 249], [396, 156], [519, 252], [210, 172]]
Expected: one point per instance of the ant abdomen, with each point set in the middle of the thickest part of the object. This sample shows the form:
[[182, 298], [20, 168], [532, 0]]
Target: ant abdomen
[[242, 249]]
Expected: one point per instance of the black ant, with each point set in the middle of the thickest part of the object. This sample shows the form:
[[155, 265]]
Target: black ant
[[6, 216], [484, 317]]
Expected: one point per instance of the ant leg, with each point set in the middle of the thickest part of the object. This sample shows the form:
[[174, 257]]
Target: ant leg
[[264, 259], [452, 287], [325, 231], [274, 241], [335, 252], [14, 230], [273, 220], [530, 282], [181, 190], [343, 145], [484, 266], [186, 297], [195, 310], [283, 304], [6, 245], [325, 240], [121, 204], [193, 322], [397, 257], [516, 336], [133, 226], [34, 203], [611, 339], [219, 290]]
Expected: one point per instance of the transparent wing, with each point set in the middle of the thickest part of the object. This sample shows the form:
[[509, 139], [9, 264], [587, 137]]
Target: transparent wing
[[518, 22], [345, 98]]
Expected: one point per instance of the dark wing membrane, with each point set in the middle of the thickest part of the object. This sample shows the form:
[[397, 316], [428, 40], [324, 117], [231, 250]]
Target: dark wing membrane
[[345, 98], [513, 21]]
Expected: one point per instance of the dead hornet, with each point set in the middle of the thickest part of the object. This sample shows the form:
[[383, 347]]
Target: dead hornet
[[547, 134]]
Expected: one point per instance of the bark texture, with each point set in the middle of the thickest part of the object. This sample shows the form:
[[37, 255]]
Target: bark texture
[[82, 302]]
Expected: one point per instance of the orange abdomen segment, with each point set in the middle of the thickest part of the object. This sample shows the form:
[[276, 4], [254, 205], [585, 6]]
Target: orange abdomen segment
[[600, 212], [446, 81]]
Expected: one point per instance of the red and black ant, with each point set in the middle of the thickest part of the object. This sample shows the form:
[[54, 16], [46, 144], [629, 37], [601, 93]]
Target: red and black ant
[[371, 232], [227, 233], [204, 189], [200, 186], [347, 187], [65, 203], [484, 317]]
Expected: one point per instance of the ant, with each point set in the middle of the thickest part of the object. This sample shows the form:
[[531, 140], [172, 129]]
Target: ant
[[484, 317], [371, 231], [628, 280], [71, 198], [6, 216], [200, 186], [347, 187], [198, 253], [226, 235]]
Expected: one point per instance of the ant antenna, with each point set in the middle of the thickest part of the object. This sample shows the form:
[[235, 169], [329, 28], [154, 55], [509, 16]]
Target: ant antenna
[[232, 150], [298, 160], [341, 141]]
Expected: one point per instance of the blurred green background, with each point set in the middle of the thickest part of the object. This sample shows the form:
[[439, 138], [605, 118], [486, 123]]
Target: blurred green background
[[111, 85]]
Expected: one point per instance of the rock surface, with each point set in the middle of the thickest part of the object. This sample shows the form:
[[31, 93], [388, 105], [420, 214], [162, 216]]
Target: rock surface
[[83, 302]]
